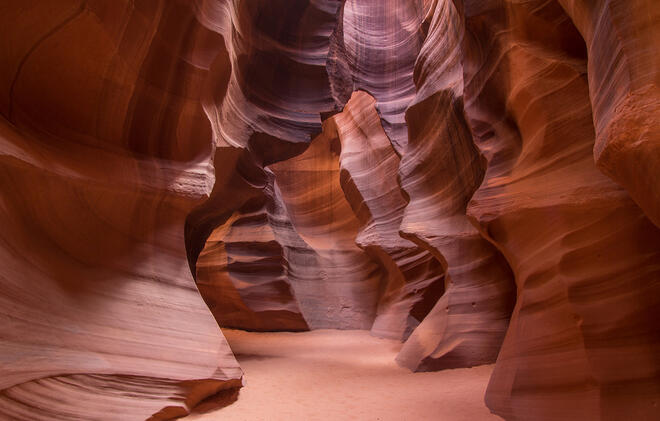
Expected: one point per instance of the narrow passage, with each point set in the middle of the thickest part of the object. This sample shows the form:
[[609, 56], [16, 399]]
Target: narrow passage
[[344, 375]]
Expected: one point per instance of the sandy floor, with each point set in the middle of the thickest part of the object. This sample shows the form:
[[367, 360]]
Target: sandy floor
[[344, 375]]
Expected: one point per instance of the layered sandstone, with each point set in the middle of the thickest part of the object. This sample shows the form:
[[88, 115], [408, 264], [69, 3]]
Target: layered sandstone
[[242, 274], [440, 170], [476, 179], [105, 149], [414, 278], [623, 75], [584, 255]]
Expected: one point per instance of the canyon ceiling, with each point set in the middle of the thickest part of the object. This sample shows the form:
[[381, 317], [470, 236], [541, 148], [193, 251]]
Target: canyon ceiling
[[479, 179]]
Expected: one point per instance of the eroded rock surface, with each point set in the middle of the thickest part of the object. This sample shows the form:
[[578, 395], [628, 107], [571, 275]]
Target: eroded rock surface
[[585, 257], [471, 177], [440, 170], [104, 151], [414, 277]]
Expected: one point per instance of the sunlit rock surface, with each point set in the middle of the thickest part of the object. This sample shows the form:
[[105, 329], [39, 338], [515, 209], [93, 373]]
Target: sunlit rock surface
[[475, 178], [440, 170], [414, 277]]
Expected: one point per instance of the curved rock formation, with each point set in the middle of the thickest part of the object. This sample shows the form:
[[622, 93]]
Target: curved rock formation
[[374, 48], [278, 51], [583, 332], [400, 166], [624, 75], [415, 279], [346, 293], [241, 273], [440, 170], [105, 149]]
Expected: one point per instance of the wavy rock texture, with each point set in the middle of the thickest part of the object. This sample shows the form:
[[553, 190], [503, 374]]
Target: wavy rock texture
[[400, 166], [105, 149], [414, 278], [374, 49], [583, 332], [242, 274], [624, 78], [278, 51], [272, 108], [346, 294], [335, 239], [440, 170]]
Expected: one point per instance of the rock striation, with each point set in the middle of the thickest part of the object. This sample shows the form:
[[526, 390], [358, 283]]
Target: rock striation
[[623, 74], [440, 170], [104, 150], [242, 275], [584, 255], [414, 278], [474, 178]]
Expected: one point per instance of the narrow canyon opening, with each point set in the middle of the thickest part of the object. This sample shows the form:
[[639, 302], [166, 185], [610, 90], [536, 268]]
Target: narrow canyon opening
[[330, 209], [328, 239]]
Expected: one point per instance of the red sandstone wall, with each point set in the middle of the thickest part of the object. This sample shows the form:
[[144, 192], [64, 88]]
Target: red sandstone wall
[[477, 178]]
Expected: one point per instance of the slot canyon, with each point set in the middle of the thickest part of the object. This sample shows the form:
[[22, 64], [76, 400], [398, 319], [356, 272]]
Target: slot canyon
[[299, 210]]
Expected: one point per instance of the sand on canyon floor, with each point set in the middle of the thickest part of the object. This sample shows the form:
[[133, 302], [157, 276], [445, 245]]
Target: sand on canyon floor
[[344, 375]]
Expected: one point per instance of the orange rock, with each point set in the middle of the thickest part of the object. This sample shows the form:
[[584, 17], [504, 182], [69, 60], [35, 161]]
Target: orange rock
[[472, 177]]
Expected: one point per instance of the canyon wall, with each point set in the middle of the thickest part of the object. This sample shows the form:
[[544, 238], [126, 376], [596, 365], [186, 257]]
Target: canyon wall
[[105, 150], [475, 178], [585, 257]]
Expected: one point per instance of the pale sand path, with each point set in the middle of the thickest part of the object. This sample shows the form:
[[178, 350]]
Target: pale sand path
[[344, 375]]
